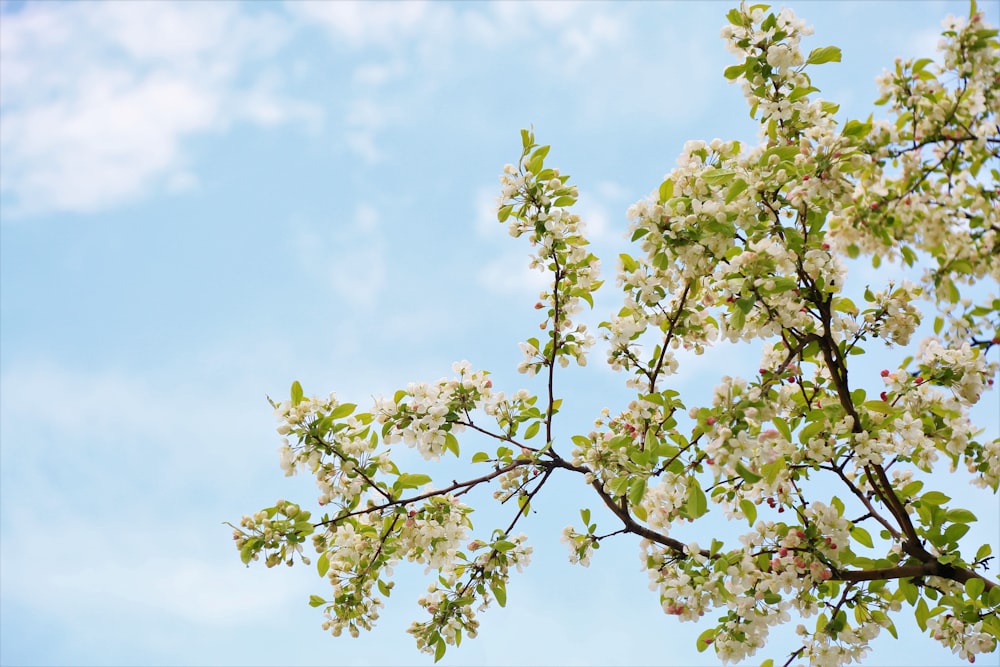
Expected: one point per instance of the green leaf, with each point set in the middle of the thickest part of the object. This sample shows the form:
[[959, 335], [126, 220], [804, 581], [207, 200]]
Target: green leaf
[[737, 186], [451, 443], [733, 72], [342, 410], [909, 590], [500, 593], [837, 624], [705, 639], [782, 426], [829, 107], [749, 510], [540, 152], [810, 430], [439, 649], [717, 176], [411, 481], [862, 536], [856, 129], [526, 139], [934, 498], [296, 393], [480, 457], [880, 406], [750, 477], [955, 532], [974, 588], [953, 294], [316, 601], [532, 430], [921, 614], [773, 469], [960, 515], [908, 255], [666, 190], [636, 490], [503, 545], [800, 92], [697, 503], [618, 486], [322, 564]]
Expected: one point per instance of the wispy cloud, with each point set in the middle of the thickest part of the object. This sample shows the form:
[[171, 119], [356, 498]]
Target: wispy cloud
[[479, 49], [131, 569], [362, 24], [97, 99], [348, 257]]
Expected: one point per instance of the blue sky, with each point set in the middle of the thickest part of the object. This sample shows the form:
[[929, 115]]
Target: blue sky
[[202, 202]]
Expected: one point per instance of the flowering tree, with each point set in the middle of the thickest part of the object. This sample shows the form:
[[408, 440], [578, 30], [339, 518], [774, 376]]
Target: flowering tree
[[827, 490]]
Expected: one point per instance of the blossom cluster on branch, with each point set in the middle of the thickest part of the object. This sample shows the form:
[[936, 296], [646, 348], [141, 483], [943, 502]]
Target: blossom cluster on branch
[[738, 243]]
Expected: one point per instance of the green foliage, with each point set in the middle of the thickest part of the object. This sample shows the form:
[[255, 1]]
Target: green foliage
[[738, 243]]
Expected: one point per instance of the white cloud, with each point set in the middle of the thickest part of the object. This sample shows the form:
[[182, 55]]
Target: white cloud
[[348, 257], [124, 569], [378, 74], [366, 117], [119, 432], [509, 274], [98, 98], [361, 23], [422, 49], [485, 206]]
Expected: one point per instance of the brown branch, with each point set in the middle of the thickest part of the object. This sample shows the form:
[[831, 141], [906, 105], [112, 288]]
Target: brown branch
[[669, 336], [556, 316], [929, 568], [631, 526], [878, 479], [361, 474], [502, 438], [867, 503], [467, 485]]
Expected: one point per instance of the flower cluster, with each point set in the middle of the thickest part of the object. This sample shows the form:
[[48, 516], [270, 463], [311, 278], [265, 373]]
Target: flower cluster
[[450, 601], [276, 532], [924, 190], [429, 415], [535, 201], [965, 639], [737, 244]]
